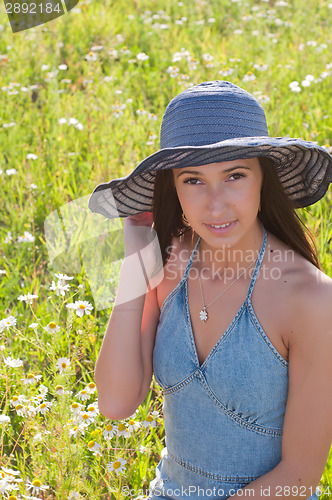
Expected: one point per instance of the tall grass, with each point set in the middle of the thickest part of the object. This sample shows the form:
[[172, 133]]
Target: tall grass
[[77, 95]]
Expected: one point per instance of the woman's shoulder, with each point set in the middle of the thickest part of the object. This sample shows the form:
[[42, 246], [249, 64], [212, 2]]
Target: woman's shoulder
[[304, 277], [307, 289]]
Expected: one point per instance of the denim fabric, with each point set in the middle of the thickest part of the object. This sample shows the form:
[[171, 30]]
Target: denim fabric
[[223, 419]]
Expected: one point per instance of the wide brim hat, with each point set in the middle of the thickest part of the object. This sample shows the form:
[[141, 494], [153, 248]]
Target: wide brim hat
[[216, 122]]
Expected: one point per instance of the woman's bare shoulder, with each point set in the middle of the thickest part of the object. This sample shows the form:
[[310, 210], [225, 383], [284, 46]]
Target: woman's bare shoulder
[[309, 289], [303, 292]]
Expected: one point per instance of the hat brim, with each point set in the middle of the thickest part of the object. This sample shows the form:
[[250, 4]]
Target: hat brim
[[304, 169]]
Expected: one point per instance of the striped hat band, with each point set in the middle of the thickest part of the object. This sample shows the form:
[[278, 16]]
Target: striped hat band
[[215, 122]]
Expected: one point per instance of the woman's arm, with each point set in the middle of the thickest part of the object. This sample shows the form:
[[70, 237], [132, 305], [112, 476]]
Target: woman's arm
[[307, 430], [123, 371]]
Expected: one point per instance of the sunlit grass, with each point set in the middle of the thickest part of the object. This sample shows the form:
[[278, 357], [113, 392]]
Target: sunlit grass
[[82, 100]]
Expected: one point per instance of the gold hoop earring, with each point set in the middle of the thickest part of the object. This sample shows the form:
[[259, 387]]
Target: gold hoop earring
[[184, 218], [260, 207]]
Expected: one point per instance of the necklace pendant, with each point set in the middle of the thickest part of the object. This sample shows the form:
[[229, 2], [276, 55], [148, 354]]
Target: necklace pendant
[[203, 315]]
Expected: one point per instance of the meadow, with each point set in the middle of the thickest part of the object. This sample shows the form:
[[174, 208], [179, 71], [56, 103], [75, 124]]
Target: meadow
[[81, 102]]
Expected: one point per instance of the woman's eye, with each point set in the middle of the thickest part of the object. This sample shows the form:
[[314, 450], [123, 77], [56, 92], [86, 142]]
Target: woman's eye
[[237, 173], [193, 180], [189, 181]]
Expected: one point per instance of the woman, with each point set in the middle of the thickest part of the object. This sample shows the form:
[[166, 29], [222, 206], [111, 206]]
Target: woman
[[237, 325]]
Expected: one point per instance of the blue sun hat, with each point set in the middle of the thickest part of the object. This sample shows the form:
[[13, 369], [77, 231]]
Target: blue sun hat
[[214, 122]]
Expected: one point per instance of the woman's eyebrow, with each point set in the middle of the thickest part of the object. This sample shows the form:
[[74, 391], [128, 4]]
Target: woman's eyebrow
[[198, 172]]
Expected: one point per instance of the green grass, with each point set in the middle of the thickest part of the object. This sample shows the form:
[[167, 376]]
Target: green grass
[[71, 161]]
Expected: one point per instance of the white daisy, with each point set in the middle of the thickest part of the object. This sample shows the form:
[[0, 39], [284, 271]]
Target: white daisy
[[77, 430], [123, 430], [27, 238], [142, 57], [13, 363], [76, 409], [8, 237], [28, 298], [110, 431], [81, 307], [93, 410], [63, 277], [36, 486], [151, 419], [7, 323], [86, 418], [91, 387], [44, 407], [94, 447], [117, 466], [83, 395], [31, 379], [59, 288], [52, 327], [133, 425], [4, 419], [63, 364]]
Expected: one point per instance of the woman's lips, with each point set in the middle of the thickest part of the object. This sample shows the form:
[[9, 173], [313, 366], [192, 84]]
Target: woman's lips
[[220, 230]]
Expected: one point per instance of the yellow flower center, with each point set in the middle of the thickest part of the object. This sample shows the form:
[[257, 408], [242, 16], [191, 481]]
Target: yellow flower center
[[43, 405], [116, 464], [92, 385], [18, 407], [149, 418], [85, 416], [91, 408], [83, 391], [12, 497], [15, 398], [131, 422], [74, 406], [82, 306], [91, 444], [75, 428], [63, 365], [59, 387], [52, 325], [109, 427], [36, 483], [121, 427], [30, 375]]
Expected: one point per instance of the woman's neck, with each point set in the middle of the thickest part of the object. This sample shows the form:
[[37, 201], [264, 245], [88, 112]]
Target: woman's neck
[[228, 261]]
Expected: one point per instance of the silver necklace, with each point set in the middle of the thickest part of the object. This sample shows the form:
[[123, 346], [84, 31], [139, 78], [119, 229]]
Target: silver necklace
[[203, 315]]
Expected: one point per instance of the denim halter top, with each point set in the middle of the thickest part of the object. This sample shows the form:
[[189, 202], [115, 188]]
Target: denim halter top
[[223, 419]]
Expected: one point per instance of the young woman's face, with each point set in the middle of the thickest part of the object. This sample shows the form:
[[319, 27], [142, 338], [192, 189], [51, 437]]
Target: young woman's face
[[220, 193]]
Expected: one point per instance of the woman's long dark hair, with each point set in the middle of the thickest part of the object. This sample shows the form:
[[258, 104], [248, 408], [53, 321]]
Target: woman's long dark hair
[[277, 214]]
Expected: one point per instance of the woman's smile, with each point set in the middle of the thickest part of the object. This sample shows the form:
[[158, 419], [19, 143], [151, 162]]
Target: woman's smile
[[220, 198]]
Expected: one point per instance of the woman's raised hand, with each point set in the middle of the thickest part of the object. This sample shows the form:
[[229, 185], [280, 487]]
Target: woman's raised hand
[[141, 239]]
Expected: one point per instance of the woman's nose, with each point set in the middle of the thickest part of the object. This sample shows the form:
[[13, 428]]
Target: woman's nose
[[216, 200]]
